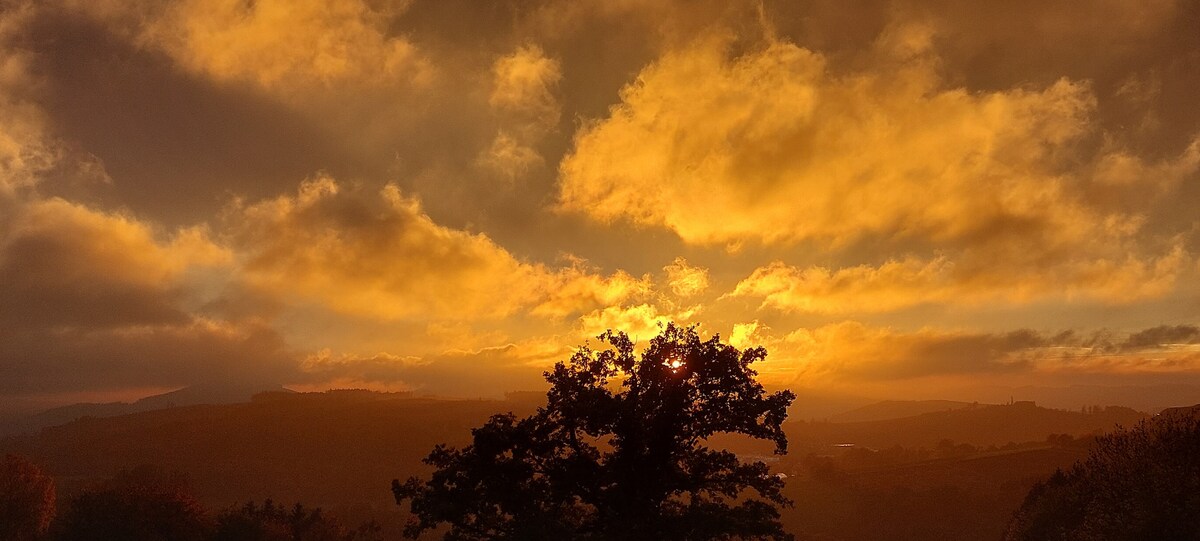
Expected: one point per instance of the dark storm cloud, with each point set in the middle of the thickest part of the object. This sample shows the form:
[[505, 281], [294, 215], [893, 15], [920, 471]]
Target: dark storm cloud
[[959, 354], [45, 361], [92, 300], [178, 146], [1157, 337], [63, 266], [1116, 44]]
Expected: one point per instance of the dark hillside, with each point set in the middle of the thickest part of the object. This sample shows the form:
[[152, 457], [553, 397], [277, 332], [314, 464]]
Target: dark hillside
[[961, 499], [897, 409], [341, 449], [981, 425]]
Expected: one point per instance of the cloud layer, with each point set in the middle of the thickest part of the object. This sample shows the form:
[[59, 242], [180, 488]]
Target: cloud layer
[[448, 196]]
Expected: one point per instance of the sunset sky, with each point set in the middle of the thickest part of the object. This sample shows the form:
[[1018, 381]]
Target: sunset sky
[[898, 199]]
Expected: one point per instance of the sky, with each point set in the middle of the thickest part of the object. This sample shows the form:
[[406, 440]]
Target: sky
[[896, 198]]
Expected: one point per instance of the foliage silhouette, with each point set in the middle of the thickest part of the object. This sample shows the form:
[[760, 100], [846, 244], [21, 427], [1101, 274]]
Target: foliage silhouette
[[272, 522], [1136, 484], [145, 505], [137, 505], [618, 452], [26, 500]]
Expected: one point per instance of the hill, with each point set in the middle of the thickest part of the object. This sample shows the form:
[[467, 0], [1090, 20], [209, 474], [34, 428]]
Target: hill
[[981, 425], [341, 449], [897, 409], [187, 396], [970, 498]]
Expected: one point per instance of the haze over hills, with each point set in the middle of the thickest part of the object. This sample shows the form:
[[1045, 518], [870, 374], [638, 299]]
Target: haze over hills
[[341, 449], [338, 449], [226, 393], [814, 404], [896, 409], [975, 424], [1150, 398], [961, 498]]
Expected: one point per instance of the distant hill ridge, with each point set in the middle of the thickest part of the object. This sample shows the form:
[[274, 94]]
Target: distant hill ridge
[[898, 409], [325, 448], [1186, 411], [979, 425], [188, 396]]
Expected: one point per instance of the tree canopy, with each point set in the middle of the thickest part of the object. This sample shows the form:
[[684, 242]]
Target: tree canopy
[[1136, 484], [137, 505], [273, 522], [26, 500], [619, 451]]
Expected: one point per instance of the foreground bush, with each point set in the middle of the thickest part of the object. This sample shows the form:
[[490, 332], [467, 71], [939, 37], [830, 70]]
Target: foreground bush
[[1137, 484], [139, 505], [26, 500]]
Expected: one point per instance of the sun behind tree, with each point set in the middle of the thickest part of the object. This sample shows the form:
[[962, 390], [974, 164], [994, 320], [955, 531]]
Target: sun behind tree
[[618, 452]]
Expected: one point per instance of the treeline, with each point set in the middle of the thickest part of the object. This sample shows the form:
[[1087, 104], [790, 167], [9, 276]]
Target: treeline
[[145, 505], [857, 458], [1139, 483]]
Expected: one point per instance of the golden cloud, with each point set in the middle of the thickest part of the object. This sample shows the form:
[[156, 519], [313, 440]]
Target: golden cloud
[[489, 371], [25, 150], [640, 322], [524, 84], [523, 100], [776, 146], [578, 288], [63, 264], [509, 158], [279, 43], [97, 300], [684, 279], [783, 151], [282, 45], [382, 257], [911, 281], [747, 335], [851, 351], [379, 257]]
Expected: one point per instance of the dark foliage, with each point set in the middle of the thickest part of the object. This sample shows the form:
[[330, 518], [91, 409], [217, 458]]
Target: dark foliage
[[618, 452], [26, 500], [271, 522], [146, 505], [138, 505], [1136, 484]]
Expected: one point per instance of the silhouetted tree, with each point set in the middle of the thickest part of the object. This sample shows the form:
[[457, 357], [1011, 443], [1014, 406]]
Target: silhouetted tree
[[1136, 484], [137, 505], [26, 500], [618, 452], [271, 522]]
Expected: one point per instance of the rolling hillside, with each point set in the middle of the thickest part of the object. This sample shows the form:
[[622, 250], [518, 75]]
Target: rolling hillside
[[982, 425], [341, 449]]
